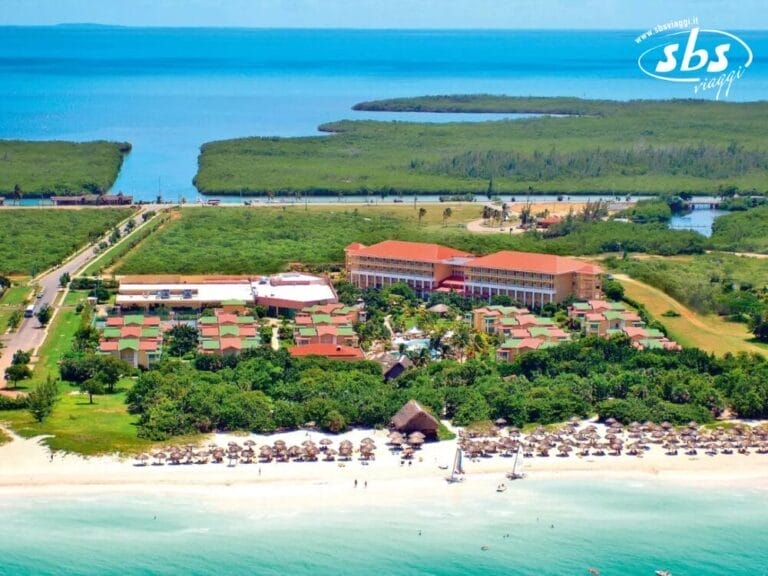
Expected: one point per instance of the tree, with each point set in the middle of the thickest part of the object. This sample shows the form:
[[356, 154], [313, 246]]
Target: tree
[[613, 289], [15, 373], [64, 279], [15, 319], [447, 213], [42, 399], [4, 282], [44, 315], [491, 192], [422, 213], [109, 370], [758, 324], [461, 339], [21, 357], [93, 385], [182, 339]]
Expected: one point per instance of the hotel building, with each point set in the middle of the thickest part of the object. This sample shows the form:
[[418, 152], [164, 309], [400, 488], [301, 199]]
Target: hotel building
[[528, 278]]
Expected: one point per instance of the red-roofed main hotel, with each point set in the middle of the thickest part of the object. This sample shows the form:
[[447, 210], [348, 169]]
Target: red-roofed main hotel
[[528, 278]]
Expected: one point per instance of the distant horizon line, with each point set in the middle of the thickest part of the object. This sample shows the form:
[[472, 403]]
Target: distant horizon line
[[95, 25]]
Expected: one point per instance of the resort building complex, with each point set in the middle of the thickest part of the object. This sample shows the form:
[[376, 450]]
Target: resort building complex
[[135, 339], [279, 293], [528, 278]]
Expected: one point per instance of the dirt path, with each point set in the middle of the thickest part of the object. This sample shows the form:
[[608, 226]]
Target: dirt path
[[711, 333]]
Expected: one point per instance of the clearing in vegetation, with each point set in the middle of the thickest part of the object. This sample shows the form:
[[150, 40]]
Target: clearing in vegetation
[[35, 169], [710, 332], [610, 147]]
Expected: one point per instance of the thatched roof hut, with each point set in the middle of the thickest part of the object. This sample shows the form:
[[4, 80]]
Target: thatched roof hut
[[412, 417]]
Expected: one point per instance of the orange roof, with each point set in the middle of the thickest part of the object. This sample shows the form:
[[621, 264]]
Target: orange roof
[[524, 320], [532, 343], [210, 331], [130, 332], [520, 333], [532, 262], [303, 319], [594, 317], [415, 251], [327, 350], [151, 321], [599, 305], [634, 332], [235, 343], [246, 330], [115, 321], [227, 318], [148, 345], [108, 345]]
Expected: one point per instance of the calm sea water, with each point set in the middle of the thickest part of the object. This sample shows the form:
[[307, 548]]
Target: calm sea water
[[167, 91], [553, 528]]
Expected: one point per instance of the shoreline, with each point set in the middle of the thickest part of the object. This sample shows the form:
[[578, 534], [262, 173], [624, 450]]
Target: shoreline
[[30, 469]]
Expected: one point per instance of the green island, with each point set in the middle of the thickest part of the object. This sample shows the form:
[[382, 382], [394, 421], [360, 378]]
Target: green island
[[41, 169], [597, 147], [35, 239]]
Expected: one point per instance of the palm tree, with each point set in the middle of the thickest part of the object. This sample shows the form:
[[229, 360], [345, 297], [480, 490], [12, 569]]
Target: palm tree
[[422, 213], [461, 339], [447, 213]]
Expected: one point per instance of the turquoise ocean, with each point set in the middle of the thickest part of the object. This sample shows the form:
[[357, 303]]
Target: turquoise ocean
[[167, 91], [536, 527]]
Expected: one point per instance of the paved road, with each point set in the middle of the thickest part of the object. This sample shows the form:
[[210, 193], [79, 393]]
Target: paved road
[[30, 335]]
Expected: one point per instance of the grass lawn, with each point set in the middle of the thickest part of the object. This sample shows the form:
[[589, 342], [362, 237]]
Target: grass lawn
[[59, 168], [76, 426], [614, 147], [709, 332], [16, 295], [73, 297], [14, 298], [58, 342], [35, 239]]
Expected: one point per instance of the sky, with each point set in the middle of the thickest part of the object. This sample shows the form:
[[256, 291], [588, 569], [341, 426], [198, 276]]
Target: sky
[[611, 14]]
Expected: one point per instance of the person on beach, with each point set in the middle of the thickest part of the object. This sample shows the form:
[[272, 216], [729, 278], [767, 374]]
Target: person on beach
[[355, 482]]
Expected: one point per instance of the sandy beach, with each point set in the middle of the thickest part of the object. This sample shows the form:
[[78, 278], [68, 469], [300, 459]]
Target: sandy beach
[[27, 467]]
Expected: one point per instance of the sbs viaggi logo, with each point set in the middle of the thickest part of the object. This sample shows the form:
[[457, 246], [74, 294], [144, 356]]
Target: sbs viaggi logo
[[682, 51]]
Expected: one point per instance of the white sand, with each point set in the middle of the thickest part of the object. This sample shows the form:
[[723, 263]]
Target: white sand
[[26, 468]]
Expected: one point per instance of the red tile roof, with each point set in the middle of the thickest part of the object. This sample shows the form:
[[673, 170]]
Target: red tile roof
[[151, 321], [108, 345], [235, 343], [210, 331], [114, 321], [148, 345], [130, 332], [327, 350], [634, 332], [532, 262], [246, 331], [227, 318], [415, 251]]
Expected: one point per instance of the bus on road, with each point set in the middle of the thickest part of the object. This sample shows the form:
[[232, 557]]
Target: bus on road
[[30, 311]]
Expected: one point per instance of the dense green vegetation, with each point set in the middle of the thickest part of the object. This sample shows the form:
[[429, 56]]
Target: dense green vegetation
[[492, 103], [35, 239], [708, 283], [58, 168], [264, 390], [745, 231], [248, 240], [681, 146]]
